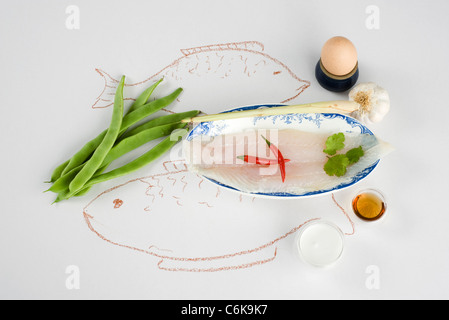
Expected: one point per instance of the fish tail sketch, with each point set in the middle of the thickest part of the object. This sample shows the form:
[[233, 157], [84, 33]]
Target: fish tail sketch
[[106, 97]]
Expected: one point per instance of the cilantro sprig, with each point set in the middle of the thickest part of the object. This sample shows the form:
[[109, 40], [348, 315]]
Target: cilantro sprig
[[354, 155], [338, 163], [334, 143]]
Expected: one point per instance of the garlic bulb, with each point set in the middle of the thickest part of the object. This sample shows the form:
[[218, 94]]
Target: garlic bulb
[[374, 102]]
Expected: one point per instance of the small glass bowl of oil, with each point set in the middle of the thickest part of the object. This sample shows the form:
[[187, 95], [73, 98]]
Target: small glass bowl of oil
[[369, 205]]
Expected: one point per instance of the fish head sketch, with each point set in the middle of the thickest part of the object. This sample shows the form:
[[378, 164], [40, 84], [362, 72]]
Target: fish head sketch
[[219, 77]]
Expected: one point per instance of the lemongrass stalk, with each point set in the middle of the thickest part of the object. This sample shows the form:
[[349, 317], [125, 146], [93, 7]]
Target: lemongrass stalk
[[338, 106]]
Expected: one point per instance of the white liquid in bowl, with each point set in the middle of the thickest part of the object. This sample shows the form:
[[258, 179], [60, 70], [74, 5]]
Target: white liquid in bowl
[[320, 243]]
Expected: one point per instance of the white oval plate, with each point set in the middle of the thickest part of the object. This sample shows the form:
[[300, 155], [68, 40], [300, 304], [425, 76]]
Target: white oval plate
[[310, 122]]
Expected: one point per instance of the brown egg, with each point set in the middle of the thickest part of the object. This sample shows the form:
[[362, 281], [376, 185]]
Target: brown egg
[[339, 56]]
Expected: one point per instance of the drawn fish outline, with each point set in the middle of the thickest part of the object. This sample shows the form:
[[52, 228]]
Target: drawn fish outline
[[240, 70], [169, 187]]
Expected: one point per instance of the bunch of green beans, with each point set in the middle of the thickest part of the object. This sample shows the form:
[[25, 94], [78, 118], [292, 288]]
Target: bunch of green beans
[[76, 176]]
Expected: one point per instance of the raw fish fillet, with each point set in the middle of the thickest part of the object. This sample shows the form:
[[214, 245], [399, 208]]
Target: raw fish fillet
[[216, 159]]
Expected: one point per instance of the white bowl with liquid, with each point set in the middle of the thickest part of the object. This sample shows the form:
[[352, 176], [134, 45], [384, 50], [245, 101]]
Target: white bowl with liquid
[[320, 243]]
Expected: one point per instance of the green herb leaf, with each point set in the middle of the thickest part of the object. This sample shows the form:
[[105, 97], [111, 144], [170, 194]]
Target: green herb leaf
[[334, 143], [355, 154], [336, 165]]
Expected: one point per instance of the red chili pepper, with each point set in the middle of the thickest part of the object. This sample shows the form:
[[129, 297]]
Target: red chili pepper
[[261, 161], [279, 156]]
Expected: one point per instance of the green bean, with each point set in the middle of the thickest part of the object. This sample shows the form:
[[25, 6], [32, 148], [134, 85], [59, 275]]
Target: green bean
[[58, 171], [144, 96], [125, 146], [139, 139], [138, 163], [65, 193], [130, 119], [63, 182], [141, 161], [84, 153], [90, 147], [105, 146], [148, 109], [83, 192], [147, 135], [59, 198], [76, 176], [162, 120]]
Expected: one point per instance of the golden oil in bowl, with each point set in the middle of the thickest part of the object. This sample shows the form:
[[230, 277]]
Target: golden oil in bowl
[[369, 205]]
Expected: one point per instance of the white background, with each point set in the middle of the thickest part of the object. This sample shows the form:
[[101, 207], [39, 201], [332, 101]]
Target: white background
[[48, 83]]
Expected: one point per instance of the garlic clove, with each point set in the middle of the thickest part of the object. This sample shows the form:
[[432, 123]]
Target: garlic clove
[[375, 117], [373, 100]]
